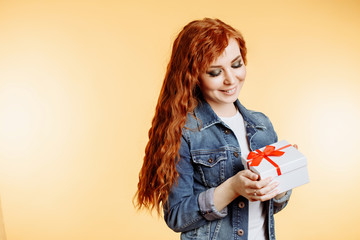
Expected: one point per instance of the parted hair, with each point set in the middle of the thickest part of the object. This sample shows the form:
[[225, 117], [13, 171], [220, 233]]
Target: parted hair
[[198, 44]]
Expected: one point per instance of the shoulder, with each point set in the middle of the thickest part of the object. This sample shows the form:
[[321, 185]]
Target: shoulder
[[260, 117], [255, 118], [200, 129], [265, 132]]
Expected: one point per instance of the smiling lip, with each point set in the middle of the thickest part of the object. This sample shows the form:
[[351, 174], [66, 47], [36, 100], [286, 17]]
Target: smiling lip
[[230, 91]]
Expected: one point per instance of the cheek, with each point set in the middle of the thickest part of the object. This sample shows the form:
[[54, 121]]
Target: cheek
[[207, 83], [242, 73]]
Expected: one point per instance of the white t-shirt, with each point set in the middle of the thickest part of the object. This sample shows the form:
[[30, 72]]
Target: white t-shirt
[[257, 228]]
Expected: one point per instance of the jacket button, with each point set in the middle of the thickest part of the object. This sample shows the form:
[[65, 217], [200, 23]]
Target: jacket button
[[240, 232], [211, 160], [227, 131], [236, 154], [241, 204]]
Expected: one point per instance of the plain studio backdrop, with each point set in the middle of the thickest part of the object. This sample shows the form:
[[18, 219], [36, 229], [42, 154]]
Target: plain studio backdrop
[[79, 81]]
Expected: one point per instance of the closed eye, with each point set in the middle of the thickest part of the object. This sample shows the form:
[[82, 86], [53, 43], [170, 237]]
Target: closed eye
[[214, 73], [237, 64]]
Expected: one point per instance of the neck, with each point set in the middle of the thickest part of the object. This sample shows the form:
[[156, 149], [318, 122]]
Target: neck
[[228, 110]]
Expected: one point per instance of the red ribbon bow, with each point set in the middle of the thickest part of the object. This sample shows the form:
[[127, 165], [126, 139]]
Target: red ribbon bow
[[256, 158]]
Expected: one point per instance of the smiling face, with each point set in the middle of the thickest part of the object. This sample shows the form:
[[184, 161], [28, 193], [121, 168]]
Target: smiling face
[[221, 83]]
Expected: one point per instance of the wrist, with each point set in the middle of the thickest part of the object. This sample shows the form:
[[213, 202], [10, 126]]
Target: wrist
[[234, 186], [225, 193]]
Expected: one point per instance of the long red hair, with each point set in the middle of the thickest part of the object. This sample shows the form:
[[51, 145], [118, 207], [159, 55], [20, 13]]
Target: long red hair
[[198, 44]]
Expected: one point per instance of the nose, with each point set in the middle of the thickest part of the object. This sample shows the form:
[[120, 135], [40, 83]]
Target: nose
[[230, 77]]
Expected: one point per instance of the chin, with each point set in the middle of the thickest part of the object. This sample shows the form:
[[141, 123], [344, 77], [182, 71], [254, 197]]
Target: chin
[[233, 99]]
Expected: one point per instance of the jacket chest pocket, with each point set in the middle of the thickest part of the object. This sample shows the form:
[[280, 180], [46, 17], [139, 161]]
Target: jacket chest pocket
[[210, 167]]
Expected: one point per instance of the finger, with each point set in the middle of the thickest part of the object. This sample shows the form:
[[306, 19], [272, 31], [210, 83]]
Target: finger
[[254, 196], [250, 192], [296, 146], [269, 195], [251, 175], [260, 184], [267, 189], [251, 195], [266, 196]]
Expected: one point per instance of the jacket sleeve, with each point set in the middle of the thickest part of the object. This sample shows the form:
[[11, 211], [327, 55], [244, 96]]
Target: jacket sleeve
[[186, 210], [281, 203]]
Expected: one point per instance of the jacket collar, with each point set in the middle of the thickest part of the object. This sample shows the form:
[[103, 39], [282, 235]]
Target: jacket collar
[[208, 117]]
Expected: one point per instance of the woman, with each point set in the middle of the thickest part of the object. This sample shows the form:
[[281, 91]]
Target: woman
[[192, 166]]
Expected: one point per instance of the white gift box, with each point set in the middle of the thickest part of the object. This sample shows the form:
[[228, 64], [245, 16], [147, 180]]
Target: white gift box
[[289, 168]]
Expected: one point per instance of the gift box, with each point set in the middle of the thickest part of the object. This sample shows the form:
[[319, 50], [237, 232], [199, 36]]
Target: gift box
[[282, 161]]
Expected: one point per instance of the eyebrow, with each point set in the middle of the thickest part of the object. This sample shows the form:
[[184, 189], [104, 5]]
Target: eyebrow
[[234, 60]]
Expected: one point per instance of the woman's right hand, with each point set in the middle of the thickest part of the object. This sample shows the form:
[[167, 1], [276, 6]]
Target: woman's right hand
[[247, 184]]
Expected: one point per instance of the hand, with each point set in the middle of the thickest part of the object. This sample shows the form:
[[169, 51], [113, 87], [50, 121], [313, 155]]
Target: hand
[[247, 184]]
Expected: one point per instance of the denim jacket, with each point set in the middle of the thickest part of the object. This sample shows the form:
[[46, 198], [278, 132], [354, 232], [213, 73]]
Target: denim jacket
[[209, 155]]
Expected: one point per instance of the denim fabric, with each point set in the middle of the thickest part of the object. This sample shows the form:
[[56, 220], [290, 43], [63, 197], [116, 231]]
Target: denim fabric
[[210, 154]]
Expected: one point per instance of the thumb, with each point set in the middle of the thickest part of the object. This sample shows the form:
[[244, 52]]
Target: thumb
[[251, 175]]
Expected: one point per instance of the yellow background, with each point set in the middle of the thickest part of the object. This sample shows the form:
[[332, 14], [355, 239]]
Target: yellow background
[[79, 81]]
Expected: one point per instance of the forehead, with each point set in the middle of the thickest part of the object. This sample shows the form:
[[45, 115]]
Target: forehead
[[230, 53]]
